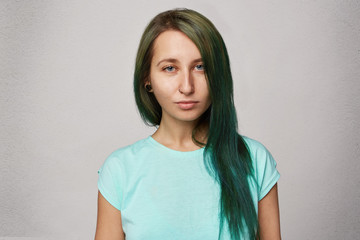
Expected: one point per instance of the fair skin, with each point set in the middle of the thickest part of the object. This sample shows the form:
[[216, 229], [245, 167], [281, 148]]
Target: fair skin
[[178, 82]]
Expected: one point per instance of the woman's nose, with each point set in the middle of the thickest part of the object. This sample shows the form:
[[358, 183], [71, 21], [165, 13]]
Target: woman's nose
[[186, 86]]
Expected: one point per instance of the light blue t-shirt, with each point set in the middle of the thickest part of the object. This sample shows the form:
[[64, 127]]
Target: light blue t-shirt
[[168, 194]]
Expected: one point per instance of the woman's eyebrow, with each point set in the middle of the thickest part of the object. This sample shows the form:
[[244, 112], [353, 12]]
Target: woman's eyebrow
[[197, 60], [174, 60]]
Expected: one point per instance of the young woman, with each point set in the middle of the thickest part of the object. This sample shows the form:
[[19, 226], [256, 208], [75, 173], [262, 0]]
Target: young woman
[[195, 177]]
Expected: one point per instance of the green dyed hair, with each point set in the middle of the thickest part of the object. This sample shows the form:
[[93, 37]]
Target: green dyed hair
[[226, 155]]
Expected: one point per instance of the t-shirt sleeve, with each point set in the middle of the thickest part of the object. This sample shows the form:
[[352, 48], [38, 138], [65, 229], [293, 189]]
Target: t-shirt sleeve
[[265, 168], [110, 180]]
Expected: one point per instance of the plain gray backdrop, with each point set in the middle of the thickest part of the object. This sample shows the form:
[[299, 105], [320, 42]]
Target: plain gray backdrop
[[67, 103]]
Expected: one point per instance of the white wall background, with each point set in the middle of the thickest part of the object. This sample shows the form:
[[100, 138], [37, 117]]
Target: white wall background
[[67, 102]]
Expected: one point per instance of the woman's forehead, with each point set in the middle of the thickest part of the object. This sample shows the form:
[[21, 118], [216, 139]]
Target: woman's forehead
[[173, 44]]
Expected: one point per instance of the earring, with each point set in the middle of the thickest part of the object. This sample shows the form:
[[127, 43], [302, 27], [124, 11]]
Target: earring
[[148, 87]]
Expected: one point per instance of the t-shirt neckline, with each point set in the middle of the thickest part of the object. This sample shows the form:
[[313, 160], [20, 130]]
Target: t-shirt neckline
[[169, 150]]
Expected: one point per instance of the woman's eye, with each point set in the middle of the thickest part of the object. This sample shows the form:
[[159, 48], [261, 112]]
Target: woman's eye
[[169, 69], [199, 67]]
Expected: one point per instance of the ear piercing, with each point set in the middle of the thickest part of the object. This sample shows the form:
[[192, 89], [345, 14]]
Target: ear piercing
[[148, 87]]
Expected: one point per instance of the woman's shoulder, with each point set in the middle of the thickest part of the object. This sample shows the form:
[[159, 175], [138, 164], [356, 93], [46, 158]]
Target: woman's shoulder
[[130, 148], [264, 166], [118, 169], [254, 146], [260, 155], [128, 152]]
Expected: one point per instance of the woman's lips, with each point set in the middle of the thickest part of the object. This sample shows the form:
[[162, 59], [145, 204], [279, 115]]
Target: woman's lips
[[186, 105]]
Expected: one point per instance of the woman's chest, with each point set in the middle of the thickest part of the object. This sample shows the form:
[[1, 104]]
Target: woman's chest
[[172, 202]]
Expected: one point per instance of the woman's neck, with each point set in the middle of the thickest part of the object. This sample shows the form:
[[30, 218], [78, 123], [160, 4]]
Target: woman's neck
[[177, 135]]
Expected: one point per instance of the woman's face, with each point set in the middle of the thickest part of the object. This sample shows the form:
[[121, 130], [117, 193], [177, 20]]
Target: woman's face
[[177, 78]]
